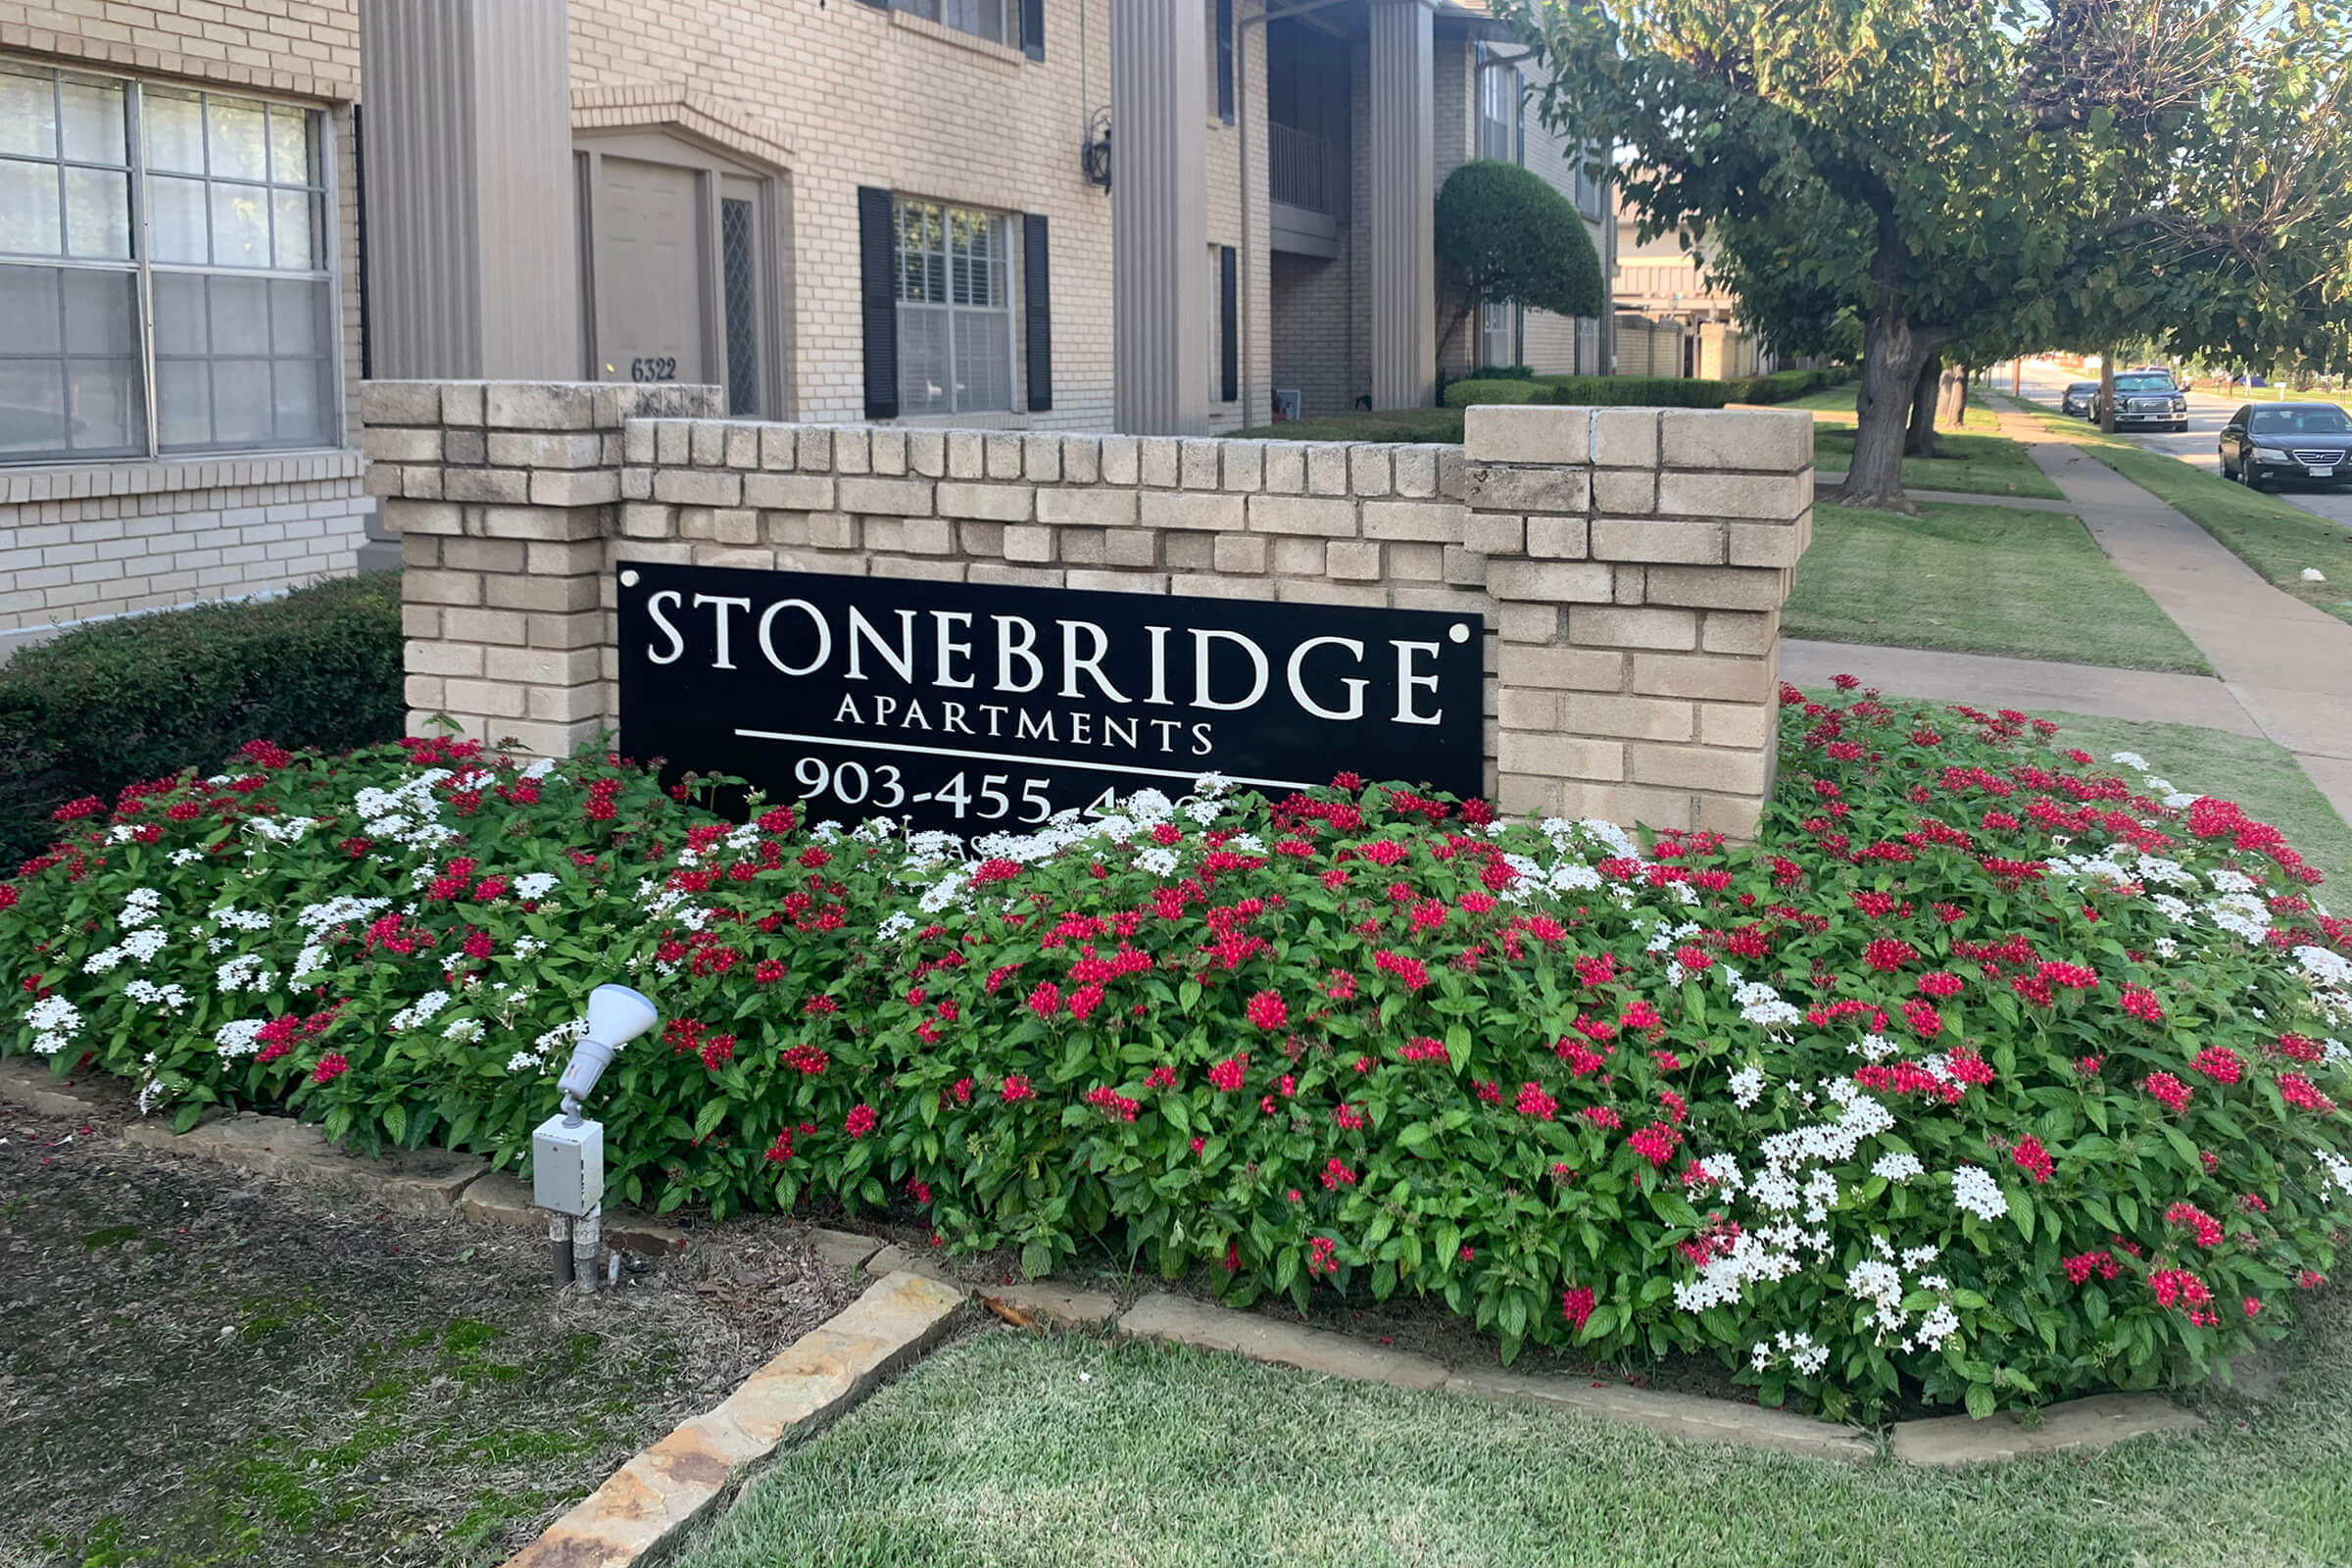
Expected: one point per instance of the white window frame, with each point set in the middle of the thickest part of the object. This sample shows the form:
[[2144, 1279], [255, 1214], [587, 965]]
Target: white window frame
[[970, 16], [141, 266], [1003, 265], [1498, 78]]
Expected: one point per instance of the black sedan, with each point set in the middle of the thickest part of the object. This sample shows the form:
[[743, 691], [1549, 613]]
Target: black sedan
[[2266, 442], [2081, 399]]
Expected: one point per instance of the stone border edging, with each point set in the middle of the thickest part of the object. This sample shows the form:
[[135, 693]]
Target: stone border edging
[[2097, 1422], [663, 1491]]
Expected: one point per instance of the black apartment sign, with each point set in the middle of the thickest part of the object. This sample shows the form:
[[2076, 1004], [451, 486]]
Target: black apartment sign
[[979, 708]]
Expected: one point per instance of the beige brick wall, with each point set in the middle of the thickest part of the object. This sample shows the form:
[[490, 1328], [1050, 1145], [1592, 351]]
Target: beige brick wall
[[124, 538], [1629, 564], [862, 96], [106, 539]]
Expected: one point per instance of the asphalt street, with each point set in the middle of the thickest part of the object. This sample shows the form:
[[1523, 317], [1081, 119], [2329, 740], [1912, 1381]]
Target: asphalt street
[[2207, 413]]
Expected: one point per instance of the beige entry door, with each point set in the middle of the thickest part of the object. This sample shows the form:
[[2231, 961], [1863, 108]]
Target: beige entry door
[[649, 269]]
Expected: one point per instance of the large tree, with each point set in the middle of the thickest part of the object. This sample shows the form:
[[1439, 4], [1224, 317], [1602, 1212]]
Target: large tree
[[1874, 148]]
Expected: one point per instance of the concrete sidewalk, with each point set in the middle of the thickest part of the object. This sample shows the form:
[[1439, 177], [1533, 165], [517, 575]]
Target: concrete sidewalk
[[1984, 682], [2286, 665]]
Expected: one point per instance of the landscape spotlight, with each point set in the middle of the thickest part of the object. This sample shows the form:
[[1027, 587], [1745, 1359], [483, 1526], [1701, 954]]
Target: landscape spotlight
[[617, 1015], [568, 1151]]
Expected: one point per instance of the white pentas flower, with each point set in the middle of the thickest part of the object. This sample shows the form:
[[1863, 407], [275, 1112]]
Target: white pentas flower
[[246, 972], [239, 1037], [54, 1021], [229, 917], [1747, 1087], [2336, 1175], [420, 1011], [1897, 1167], [1975, 1190], [535, 884], [463, 1030], [170, 998], [2131, 759], [894, 926], [139, 905]]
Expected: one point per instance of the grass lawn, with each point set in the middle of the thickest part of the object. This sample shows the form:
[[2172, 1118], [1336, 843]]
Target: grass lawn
[[1978, 580], [1063, 1450], [1385, 424], [1987, 464], [2276, 539]]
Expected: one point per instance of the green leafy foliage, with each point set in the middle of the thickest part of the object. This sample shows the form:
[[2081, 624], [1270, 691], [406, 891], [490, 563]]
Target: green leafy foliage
[[1990, 1074], [145, 696], [1505, 236]]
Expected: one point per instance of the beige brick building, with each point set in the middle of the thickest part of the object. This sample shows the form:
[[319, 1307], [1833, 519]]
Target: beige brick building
[[896, 211]]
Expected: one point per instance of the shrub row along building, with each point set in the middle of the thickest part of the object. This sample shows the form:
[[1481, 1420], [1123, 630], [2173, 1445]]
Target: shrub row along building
[[1150, 216]]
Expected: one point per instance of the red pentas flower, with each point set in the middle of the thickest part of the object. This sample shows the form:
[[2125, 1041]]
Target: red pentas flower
[[1534, 1101], [1576, 1306], [2299, 1092], [2206, 1230], [1322, 1255], [861, 1119], [1941, 983], [1266, 1010], [1016, 1088], [2219, 1063], [2166, 1088], [1655, 1142], [2140, 1003], [1925, 1021], [1337, 1175], [331, 1066], [1889, 953], [2030, 1157]]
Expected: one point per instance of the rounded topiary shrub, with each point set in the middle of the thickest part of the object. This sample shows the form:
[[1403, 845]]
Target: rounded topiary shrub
[[1992, 1073]]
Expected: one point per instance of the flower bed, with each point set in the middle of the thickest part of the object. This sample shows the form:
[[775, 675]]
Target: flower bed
[[1992, 1074]]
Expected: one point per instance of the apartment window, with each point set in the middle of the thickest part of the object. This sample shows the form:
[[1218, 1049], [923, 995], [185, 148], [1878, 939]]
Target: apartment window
[[218, 204], [955, 309], [1224, 18], [1497, 334], [1590, 188], [1499, 120], [998, 20]]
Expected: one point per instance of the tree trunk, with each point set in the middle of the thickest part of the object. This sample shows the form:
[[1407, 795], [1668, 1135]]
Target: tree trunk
[[1952, 397], [1919, 439], [2107, 391], [1891, 354]]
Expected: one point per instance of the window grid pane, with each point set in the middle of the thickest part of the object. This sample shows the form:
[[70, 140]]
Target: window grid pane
[[955, 310], [243, 340]]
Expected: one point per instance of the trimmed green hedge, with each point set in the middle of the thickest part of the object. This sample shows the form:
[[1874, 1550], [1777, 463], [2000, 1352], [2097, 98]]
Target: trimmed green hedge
[[1783, 385], [145, 696], [1593, 391]]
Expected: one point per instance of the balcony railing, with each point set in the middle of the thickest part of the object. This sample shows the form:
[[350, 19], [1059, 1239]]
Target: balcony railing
[[1303, 170]]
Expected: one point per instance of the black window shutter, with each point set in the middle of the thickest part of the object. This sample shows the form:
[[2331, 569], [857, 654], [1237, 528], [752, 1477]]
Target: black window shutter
[[1229, 317], [1037, 311], [1225, 61], [1033, 28], [879, 297]]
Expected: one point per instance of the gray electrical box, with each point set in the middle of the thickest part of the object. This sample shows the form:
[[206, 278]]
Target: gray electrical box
[[567, 1165]]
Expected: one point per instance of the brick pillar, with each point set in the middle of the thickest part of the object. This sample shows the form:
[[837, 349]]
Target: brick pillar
[[1639, 558], [503, 494]]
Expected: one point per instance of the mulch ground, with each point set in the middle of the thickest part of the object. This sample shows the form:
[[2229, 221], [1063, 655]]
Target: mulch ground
[[201, 1366]]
